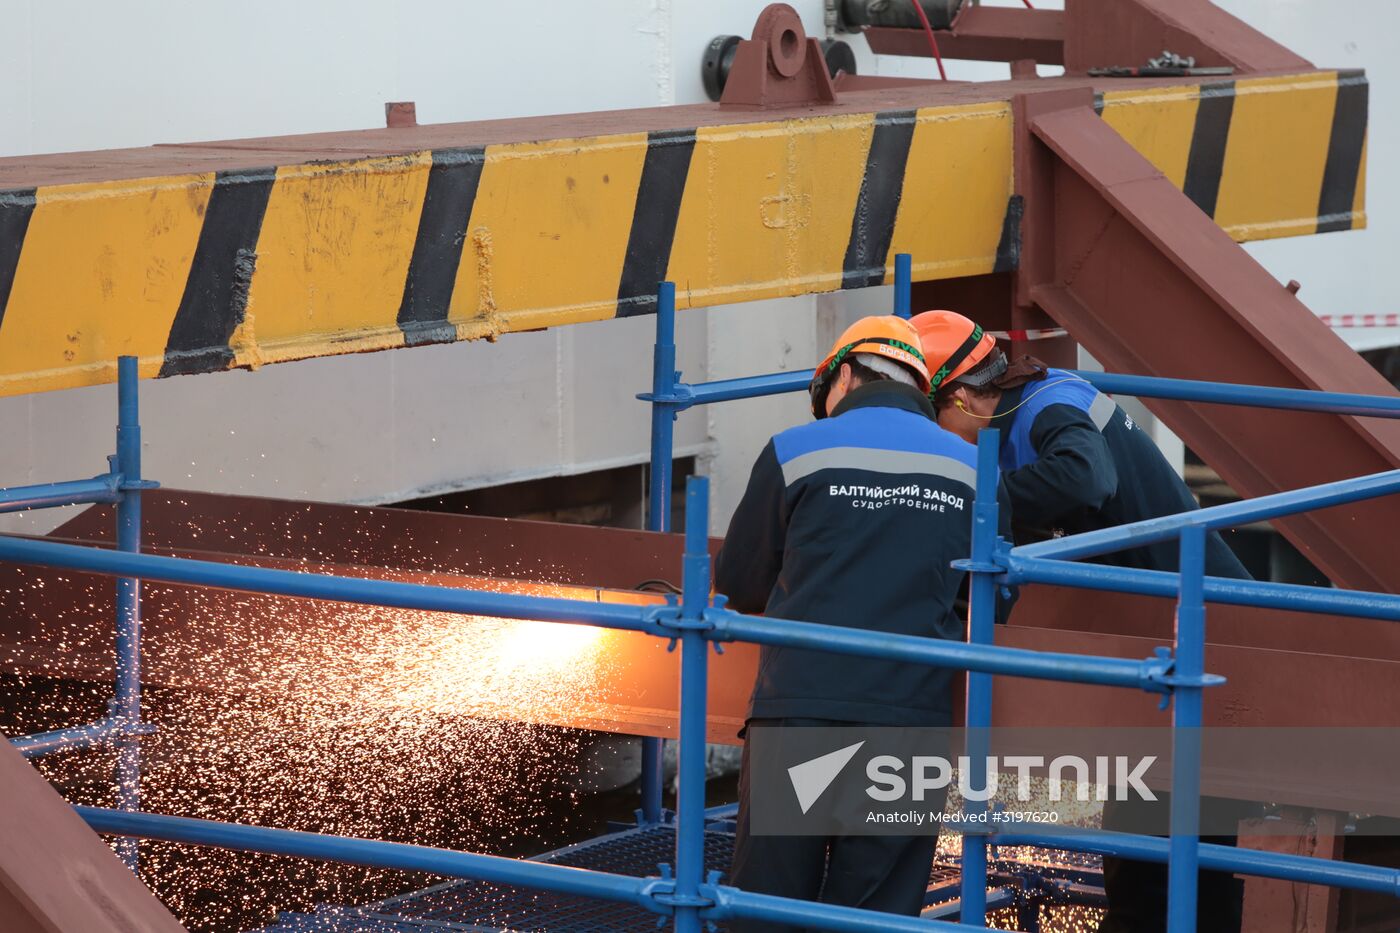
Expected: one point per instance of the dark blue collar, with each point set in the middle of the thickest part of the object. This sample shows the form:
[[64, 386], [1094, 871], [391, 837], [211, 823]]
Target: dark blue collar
[[1010, 399], [886, 394]]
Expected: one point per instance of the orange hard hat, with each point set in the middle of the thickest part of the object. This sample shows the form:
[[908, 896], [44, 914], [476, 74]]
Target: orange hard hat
[[884, 335], [952, 344]]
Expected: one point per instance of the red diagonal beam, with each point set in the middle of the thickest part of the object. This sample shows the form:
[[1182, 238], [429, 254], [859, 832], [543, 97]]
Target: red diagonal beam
[[1104, 33], [1150, 285]]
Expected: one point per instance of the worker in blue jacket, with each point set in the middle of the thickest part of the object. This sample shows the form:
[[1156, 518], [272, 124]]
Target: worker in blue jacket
[[1073, 461], [851, 520]]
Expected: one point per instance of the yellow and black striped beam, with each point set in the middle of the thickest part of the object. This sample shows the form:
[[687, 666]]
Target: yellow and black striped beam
[[237, 267]]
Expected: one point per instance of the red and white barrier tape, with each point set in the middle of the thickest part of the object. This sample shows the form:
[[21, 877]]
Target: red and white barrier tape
[[1361, 320], [1331, 320], [1044, 333]]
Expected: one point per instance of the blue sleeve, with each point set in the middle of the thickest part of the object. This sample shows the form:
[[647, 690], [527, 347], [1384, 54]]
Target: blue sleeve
[[1073, 469], [751, 558]]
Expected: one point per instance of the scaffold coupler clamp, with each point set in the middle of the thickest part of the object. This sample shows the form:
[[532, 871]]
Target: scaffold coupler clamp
[[1159, 676], [678, 399], [672, 620], [126, 726], [120, 483], [1000, 563], [661, 891]]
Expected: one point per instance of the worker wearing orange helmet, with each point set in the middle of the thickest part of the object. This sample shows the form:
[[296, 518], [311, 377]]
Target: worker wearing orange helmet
[[851, 520], [1073, 461]]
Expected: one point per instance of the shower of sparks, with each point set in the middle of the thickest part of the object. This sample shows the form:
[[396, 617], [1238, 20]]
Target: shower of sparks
[[381, 723]]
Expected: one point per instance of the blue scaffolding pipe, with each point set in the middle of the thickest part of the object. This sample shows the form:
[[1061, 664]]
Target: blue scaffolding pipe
[[943, 909], [1298, 868], [1248, 396], [695, 650], [903, 285], [663, 417], [1225, 393], [126, 701], [728, 390], [1147, 674], [981, 626], [1188, 703], [732, 902], [1226, 590], [104, 488], [99, 733], [1263, 508], [367, 852]]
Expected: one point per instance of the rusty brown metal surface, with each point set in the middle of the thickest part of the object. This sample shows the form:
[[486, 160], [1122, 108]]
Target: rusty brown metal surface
[[1104, 613], [1265, 687], [1108, 33], [403, 539], [1271, 905], [1035, 188], [983, 33], [1023, 68], [400, 113], [844, 82], [1150, 285], [779, 66], [56, 875]]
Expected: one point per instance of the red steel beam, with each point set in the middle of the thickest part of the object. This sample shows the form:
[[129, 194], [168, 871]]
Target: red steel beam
[[1264, 688], [1114, 252], [1107, 33], [983, 33], [1099, 34]]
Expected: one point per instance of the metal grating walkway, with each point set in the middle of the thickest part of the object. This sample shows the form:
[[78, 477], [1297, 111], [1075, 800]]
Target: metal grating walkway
[[483, 906]]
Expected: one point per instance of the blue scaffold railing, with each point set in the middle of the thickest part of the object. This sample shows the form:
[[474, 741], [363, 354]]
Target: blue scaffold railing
[[687, 896]]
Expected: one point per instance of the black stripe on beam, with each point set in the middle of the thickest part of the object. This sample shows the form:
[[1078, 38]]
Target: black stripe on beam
[[877, 205], [216, 292], [654, 220], [1343, 170], [16, 207], [1206, 162], [1009, 247], [437, 251]]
